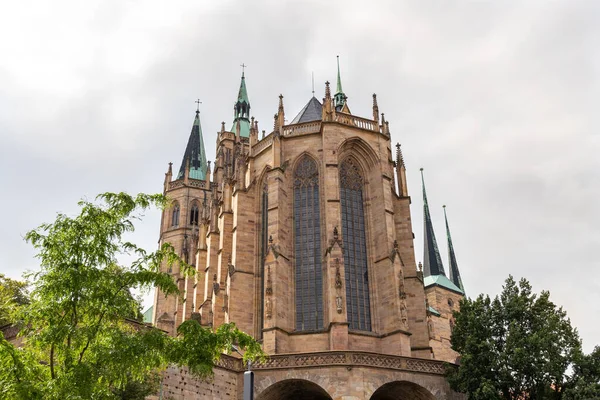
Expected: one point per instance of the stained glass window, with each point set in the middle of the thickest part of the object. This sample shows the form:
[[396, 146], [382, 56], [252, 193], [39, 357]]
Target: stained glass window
[[355, 250], [263, 243], [307, 246]]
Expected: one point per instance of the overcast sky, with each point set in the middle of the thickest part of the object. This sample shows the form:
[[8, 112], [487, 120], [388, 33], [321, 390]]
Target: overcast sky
[[498, 101]]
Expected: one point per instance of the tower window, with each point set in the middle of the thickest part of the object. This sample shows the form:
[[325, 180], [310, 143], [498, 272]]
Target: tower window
[[307, 234], [175, 215], [358, 304], [450, 303], [194, 215]]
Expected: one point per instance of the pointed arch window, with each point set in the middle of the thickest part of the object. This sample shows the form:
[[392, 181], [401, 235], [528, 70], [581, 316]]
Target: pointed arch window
[[358, 304], [194, 213], [263, 243], [175, 215], [307, 234]]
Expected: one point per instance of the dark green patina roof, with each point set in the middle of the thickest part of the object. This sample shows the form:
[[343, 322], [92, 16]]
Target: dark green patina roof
[[312, 111], [453, 265], [194, 153], [339, 98], [148, 315], [432, 263], [241, 109], [434, 311], [441, 280]]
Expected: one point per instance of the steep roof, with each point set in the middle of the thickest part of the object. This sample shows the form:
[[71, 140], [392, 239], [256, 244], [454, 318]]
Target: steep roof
[[194, 154], [312, 111], [453, 265], [432, 263], [441, 280], [242, 110]]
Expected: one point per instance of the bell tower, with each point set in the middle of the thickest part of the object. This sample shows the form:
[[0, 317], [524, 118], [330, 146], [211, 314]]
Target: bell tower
[[183, 226]]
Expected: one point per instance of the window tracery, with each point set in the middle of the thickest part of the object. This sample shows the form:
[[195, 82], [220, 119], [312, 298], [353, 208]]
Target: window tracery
[[307, 234], [355, 251]]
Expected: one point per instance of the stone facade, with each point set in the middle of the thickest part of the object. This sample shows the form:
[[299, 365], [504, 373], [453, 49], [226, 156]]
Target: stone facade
[[243, 247]]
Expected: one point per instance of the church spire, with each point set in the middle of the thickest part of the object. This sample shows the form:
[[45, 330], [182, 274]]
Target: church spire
[[339, 97], [432, 263], [195, 156], [454, 273], [241, 109]]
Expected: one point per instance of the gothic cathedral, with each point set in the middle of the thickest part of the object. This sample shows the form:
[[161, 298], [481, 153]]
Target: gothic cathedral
[[303, 237]]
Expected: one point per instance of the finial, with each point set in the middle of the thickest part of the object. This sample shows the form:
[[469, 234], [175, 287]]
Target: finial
[[444, 206], [420, 267], [374, 100], [335, 233], [395, 244], [421, 169], [198, 102], [327, 90], [270, 239], [243, 67], [280, 102], [313, 83], [222, 126], [170, 170]]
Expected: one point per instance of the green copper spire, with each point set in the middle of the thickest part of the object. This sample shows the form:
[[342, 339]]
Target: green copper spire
[[339, 98], [241, 110], [432, 263], [194, 155], [454, 274]]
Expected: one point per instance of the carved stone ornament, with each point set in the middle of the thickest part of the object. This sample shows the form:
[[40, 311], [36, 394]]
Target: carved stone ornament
[[401, 289], [269, 289], [404, 314], [216, 286], [230, 267], [268, 308], [338, 276], [338, 304], [336, 239]]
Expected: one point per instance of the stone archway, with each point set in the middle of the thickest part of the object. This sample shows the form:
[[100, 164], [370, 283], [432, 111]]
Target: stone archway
[[294, 389], [402, 390]]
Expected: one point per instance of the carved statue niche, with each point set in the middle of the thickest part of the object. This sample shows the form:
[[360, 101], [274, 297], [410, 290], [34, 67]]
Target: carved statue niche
[[338, 304], [268, 308], [269, 288], [338, 276], [216, 286], [403, 314]]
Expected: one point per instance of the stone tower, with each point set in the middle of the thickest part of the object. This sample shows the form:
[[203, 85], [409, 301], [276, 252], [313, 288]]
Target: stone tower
[[443, 294], [304, 240]]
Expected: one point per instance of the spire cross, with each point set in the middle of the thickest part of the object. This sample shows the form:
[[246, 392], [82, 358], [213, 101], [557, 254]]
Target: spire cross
[[243, 66], [198, 102]]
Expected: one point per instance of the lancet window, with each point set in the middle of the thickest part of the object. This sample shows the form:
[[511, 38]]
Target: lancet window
[[194, 212], [263, 245], [307, 246], [175, 215], [355, 250]]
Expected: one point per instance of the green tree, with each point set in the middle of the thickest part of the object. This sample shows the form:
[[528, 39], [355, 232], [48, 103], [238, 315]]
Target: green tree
[[78, 339], [517, 346], [586, 379], [13, 294]]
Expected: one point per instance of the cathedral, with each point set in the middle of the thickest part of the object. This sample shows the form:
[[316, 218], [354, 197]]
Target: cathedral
[[302, 236]]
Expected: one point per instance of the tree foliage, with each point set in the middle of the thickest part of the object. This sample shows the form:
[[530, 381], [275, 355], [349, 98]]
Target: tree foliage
[[79, 341], [517, 346], [13, 294], [586, 379]]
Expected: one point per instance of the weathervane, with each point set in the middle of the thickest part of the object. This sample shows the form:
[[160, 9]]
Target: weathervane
[[243, 66], [198, 107]]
